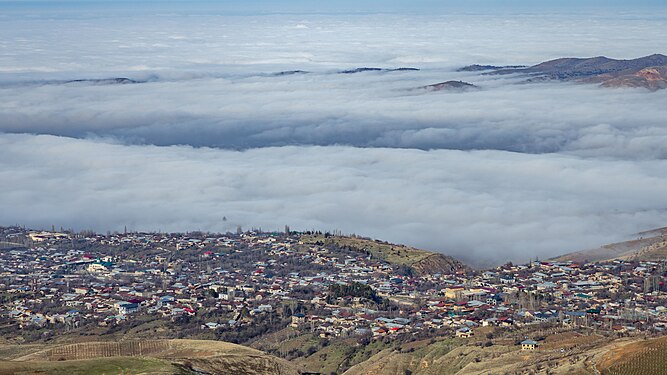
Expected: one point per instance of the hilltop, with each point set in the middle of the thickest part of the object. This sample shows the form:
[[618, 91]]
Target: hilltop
[[420, 261], [451, 86]]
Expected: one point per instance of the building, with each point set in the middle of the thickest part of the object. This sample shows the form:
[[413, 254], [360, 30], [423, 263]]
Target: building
[[125, 308], [100, 266], [464, 332], [298, 319], [528, 345]]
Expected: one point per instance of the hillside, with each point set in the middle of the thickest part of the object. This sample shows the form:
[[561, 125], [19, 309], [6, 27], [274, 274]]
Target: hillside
[[648, 246], [422, 262], [560, 353], [638, 358], [147, 357], [649, 72], [654, 78], [582, 67]]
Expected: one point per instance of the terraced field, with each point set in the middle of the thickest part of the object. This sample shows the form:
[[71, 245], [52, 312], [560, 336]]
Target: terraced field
[[640, 358], [107, 349]]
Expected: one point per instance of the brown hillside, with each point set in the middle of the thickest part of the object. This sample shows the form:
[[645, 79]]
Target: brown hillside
[[649, 72], [421, 261], [198, 356]]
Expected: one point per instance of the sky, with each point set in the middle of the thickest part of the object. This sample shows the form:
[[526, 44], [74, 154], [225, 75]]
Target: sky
[[374, 6], [212, 130]]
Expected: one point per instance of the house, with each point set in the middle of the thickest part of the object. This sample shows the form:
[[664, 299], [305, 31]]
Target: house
[[125, 308], [100, 266], [528, 345], [298, 319], [464, 332]]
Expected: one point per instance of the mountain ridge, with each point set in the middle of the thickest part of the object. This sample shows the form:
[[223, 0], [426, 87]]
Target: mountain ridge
[[649, 72]]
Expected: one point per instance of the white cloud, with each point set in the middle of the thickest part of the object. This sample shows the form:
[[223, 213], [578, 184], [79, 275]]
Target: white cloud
[[365, 110], [482, 206]]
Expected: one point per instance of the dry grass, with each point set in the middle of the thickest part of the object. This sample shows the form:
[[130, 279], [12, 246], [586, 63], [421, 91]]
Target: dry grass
[[144, 357], [107, 366], [395, 254], [636, 358]]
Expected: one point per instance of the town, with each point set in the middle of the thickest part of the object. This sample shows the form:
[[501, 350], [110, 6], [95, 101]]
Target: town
[[240, 286]]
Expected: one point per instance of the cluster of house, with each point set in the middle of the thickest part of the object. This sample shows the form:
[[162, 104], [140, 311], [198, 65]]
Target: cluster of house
[[618, 297], [68, 280]]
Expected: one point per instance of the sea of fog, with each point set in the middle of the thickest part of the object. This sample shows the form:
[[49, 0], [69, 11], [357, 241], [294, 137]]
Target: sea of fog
[[211, 126]]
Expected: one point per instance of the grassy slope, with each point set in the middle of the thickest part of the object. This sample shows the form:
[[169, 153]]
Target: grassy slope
[[166, 358], [8, 352], [395, 254], [341, 353], [287, 341], [330, 358], [466, 357], [418, 358], [99, 366], [422, 261]]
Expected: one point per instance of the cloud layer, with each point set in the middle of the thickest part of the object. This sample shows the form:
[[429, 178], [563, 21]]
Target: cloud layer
[[363, 110], [210, 82], [482, 206], [508, 172]]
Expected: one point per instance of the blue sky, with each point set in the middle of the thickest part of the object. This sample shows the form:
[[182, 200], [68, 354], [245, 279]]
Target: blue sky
[[339, 6]]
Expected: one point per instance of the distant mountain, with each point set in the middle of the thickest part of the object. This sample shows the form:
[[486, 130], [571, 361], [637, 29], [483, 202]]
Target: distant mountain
[[649, 72], [647, 246], [422, 262], [480, 68], [362, 70], [451, 86], [104, 81], [289, 73]]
